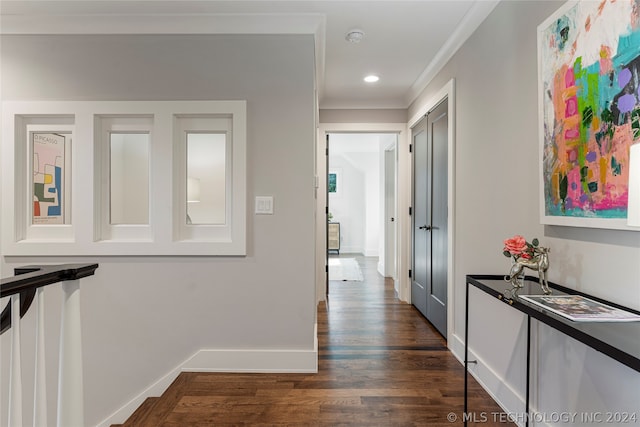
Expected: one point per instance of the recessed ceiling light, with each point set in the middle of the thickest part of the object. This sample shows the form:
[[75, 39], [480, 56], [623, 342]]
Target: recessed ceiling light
[[354, 36], [371, 78]]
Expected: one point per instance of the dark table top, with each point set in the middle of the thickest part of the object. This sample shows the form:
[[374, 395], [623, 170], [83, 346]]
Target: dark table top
[[619, 340]]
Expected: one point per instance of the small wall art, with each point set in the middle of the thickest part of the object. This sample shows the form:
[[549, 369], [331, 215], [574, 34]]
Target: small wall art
[[589, 111], [48, 178], [332, 182]]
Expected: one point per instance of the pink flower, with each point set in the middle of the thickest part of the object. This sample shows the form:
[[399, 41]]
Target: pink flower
[[515, 245]]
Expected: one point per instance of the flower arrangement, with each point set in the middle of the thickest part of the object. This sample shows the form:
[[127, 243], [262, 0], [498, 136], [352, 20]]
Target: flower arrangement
[[517, 247], [526, 255]]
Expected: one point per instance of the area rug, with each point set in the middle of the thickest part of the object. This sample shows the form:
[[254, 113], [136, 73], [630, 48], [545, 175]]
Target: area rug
[[344, 269]]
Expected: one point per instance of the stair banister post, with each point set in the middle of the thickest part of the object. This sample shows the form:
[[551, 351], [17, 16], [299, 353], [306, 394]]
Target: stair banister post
[[15, 373], [70, 390], [40, 385]]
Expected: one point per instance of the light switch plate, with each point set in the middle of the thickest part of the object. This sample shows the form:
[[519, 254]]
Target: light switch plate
[[264, 205]]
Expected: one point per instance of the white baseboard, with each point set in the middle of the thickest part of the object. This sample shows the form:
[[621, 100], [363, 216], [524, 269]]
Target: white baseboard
[[209, 360], [505, 396], [259, 361], [351, 250], [155, 389]]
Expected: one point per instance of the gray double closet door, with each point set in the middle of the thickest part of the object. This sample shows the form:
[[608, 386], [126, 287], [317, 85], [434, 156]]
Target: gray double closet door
[[430, 224]]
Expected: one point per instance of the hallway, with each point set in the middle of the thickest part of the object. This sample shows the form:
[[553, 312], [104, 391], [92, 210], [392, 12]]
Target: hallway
[[380, 364], [391, 359]]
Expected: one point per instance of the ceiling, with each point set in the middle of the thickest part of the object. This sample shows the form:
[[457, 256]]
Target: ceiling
[[406, 42]]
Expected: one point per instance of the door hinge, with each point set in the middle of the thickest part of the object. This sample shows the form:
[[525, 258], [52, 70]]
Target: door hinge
[[410, 211], [326, 151], [326, 269], [411, 148], [326, 210], [410, 272]]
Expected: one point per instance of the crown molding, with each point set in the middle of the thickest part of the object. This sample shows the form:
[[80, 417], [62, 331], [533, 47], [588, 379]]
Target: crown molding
[[471, 21], [202, 23]]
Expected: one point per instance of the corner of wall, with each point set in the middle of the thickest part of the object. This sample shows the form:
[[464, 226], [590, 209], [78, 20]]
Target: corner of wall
[[209, 360]]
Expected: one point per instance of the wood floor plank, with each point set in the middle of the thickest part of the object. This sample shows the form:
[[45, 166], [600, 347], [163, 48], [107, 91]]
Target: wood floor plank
[[142, 412], [380, 364]]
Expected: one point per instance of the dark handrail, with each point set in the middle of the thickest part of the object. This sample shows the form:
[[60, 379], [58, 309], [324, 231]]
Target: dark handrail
[[26, 298], [28, 279]]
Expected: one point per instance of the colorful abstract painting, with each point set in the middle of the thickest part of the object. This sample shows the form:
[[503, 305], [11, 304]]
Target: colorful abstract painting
[[589, 71], [48, 178]]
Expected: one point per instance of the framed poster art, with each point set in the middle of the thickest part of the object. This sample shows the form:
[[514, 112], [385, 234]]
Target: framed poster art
[[589, 111], [48, 177], [334, 182]]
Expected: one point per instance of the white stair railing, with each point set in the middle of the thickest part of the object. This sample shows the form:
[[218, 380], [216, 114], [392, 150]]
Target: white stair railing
[[15, 374], [30, 280], [40, 384], [70, 397]]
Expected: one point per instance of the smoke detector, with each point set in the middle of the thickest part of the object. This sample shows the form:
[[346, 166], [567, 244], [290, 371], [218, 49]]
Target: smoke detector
[[354, 36]]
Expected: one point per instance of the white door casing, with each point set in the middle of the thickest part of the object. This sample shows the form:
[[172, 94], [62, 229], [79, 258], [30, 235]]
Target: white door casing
[[402, 199]]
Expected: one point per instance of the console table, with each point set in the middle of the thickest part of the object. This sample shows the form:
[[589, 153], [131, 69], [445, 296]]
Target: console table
[[618, 340]]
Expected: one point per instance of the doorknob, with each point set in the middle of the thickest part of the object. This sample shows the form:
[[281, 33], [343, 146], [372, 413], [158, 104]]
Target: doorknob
[[425, 227], [393, 219]]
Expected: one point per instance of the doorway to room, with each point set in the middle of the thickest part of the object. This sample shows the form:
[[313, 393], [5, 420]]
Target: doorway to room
[[361, 202]]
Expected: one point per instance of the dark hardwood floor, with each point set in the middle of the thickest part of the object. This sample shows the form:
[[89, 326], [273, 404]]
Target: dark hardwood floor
[[380, 364]]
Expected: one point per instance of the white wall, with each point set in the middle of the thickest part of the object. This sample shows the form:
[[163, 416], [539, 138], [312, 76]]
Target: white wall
[[144, 316], [496, 197], [347, 205], [371, 164], [363, 116]]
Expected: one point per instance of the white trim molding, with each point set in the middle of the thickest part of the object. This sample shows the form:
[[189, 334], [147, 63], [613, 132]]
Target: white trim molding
[[60, 20], [68, 18], [258, 361], [471, 21], [83, 229], [488, 378], [214, 360], [402, 199]]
